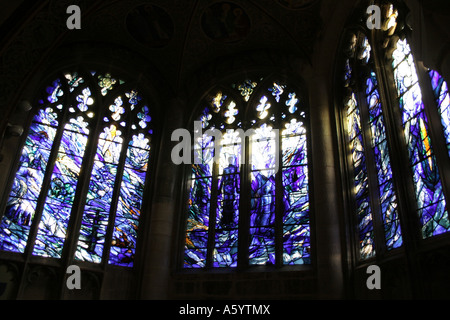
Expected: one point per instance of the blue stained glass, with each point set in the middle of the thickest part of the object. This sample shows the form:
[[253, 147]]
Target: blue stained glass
[[225, 257], [40, 137], [26, 187], [195, 256], [391, 223], [382, 162], [263, 211], [388, 199], [425, 172], [55, 91], [225, 251], [296, 195], [73, 80], [60, 196], [263, 154], [127, 218], [125, 232], [140, 141], [16, 223], [144, 117], [204, 156], [297, 246], [137, 158], [263, 107], [442, 96], [264, 146], [434, 219], [294, 150], [108, 151], [199, 204], [292, 102], [228, 190], [262, 246], [51, 234], [134, 97], [85, 100], [263, 183], [96, 213], [52, 229], [228, 210], [47, 116], [361, 185]]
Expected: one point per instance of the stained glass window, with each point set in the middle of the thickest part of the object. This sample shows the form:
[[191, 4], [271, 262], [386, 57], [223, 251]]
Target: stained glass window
[[249, 194], [442, 96], [86, 154], [401, 192], [431, 203], [374, 192]]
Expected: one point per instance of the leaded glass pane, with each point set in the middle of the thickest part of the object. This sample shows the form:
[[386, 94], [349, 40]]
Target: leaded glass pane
[[442, 96], [426, 175]]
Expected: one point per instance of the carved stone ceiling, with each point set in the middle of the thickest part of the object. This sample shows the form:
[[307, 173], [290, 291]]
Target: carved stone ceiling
[[177, 37]]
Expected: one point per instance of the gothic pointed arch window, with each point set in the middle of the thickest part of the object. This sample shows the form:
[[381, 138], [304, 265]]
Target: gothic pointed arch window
[[78, 189], [395, 116], [249, 196]]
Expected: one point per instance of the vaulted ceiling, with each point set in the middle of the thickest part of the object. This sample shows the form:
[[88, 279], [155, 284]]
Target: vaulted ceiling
[[178, 38]]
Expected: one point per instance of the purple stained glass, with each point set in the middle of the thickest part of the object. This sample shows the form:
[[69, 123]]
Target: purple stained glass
[[296, 195], [63, 179], [128, 212], [126, 225], [294, 150], [425, 171], [297, 246], [52, 227], [361, 185], [199, 204], [434, 219], [296, 236], [218, 241], [388, 199], [16, 223], [263, 199], [55, 91], [96, 212], [225, 251], [262, 246], [27, 186], [442, 96]]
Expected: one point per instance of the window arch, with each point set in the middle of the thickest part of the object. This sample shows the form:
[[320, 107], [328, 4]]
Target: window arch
[[249, 186], [395, 113], [78, 189]]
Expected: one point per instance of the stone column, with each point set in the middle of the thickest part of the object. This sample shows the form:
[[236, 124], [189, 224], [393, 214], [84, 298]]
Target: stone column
[[159, 237], [327, 229]]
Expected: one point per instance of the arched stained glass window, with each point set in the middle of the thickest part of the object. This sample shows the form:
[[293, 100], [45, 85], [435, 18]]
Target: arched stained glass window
[[430, 196], [249, 196], [373, 112], [82, 173], [375, 199]]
